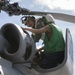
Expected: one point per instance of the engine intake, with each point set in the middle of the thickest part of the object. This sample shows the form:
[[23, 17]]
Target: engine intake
[[21, 47]]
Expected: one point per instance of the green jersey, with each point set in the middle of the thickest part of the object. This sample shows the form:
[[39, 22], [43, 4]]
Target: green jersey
[[56, 42]]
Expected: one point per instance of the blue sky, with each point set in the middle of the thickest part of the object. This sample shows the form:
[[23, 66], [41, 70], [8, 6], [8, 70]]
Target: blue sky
[[60, 6]]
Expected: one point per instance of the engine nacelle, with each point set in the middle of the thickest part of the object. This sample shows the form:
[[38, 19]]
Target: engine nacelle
[[21, 47]]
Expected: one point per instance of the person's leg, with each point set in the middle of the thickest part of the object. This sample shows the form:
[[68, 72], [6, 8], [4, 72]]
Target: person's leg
[[51, 60]]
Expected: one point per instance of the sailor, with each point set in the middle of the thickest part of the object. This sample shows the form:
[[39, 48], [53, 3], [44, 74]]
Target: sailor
[[37, 24], [53, 41]]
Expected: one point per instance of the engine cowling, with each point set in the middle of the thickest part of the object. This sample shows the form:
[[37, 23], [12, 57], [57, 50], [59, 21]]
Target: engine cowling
[[21, 46]]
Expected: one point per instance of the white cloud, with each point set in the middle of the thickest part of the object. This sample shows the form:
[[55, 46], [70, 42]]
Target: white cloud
[[15, 0], [62, 4], [74, 68]]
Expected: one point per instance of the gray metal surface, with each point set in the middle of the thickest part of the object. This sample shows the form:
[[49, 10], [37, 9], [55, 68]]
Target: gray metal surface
[[16, 66]]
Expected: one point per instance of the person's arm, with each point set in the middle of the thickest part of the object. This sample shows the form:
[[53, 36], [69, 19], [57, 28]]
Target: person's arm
[[37, 31]]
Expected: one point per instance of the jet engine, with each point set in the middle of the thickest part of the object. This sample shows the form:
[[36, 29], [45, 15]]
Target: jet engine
[[18, 46]]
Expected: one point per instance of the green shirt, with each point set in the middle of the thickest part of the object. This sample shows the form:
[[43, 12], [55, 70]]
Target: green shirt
[[56, 43]]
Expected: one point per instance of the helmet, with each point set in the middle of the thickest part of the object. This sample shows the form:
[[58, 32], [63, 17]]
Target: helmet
[[49, 18], [25, 19]]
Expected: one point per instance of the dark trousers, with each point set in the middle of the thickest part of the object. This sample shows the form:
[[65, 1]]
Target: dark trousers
[[51, 60]]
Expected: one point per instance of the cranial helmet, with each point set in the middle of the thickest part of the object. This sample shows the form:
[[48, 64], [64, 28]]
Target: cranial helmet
[[25, 19], [49, 18]]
